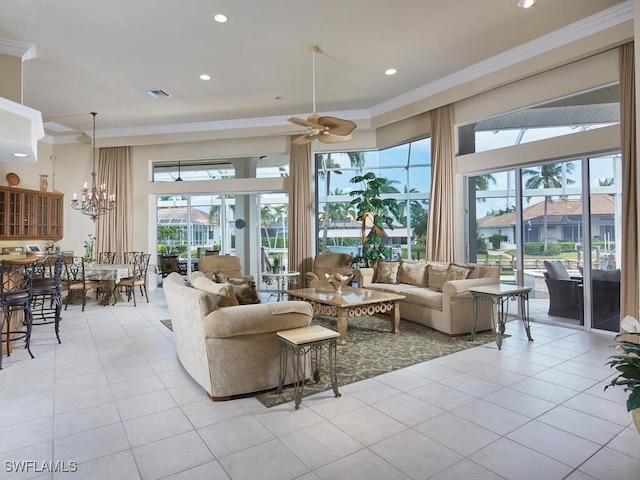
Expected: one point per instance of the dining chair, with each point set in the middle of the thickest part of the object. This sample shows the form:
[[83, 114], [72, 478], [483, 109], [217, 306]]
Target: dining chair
[[139, 278], [15, 296], [77, 282], [131, 257], [46, 301], [107, 257]]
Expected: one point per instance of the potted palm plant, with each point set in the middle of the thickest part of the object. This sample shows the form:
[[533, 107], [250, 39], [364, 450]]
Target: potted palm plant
[[627, 363], [374, 211]]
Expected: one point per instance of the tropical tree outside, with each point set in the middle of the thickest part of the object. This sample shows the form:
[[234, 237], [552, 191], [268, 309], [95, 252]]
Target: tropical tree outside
[[483, 183], [326, 166], [267, 216], [550, 175]]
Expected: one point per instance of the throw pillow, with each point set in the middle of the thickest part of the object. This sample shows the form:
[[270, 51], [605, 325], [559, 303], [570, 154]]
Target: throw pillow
[[457, 272], [386, 272], [556, 270], [437, 276], [413, 272], [223, 295], [246, 293], [243, 288]]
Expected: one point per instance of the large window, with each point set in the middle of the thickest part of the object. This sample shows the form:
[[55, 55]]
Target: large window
[[585, 111], [408, 171]]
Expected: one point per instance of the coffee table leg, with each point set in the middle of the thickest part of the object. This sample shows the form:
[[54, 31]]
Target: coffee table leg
[[395, 317], [342, 326]]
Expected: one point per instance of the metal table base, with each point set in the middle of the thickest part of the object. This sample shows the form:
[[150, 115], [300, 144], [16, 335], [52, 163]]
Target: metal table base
[[300, 348], [500, 296]]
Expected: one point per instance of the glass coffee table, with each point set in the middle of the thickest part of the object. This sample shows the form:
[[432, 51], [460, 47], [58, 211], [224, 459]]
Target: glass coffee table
[[352, 302]]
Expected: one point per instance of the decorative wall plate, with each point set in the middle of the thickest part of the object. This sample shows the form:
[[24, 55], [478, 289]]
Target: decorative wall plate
[[13, 179]]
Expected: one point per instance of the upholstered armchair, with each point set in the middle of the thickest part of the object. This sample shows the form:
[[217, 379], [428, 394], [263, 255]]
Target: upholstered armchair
[[328, 263], [565, 292], [228, 265]]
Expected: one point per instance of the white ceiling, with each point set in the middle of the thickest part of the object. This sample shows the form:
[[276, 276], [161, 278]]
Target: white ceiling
[[104, 55]]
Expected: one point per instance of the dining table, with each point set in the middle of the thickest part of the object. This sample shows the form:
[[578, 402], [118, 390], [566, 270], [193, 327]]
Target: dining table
[[109, 274]]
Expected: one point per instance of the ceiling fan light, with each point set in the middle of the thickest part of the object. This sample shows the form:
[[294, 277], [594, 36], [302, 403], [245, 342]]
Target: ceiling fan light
[[526, 3]]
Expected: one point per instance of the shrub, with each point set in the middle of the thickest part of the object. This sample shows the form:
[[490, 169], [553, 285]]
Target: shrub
[[537, 249]]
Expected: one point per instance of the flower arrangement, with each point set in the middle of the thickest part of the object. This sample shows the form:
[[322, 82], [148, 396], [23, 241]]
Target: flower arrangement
[[89, 248], [628, 362]]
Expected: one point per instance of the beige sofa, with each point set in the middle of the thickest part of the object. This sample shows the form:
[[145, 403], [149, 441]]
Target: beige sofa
[[229, 350], [432, 298]]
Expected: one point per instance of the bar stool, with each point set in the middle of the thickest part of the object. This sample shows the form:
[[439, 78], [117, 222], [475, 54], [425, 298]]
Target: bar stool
[[46, 293], [15, 296]]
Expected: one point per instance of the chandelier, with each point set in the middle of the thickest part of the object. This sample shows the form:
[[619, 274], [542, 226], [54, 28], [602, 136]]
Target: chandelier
[[96, 200]]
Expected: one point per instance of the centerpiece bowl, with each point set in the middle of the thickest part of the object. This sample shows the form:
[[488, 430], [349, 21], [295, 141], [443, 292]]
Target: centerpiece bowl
[[338, 280]]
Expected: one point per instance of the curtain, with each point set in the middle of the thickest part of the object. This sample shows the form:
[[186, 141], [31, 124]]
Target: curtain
[[629, 303], [300, 210], [114, 228], [441, 226]]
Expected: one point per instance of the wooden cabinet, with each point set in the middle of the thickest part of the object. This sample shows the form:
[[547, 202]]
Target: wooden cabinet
[[30, 214]]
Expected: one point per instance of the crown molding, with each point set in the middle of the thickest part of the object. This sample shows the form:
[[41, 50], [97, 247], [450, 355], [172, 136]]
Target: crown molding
[[26, 51]]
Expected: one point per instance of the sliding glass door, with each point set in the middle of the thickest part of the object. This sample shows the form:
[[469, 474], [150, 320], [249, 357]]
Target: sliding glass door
[[555, 231]]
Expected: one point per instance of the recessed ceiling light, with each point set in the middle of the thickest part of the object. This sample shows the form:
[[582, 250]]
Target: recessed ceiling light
[[220, 18], [204, 76], [390, 71], [526, 3], [21, 155], [279, 97]]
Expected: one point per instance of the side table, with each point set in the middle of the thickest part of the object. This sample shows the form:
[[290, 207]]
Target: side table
[[281, 280], [302, 342], [499, 295]]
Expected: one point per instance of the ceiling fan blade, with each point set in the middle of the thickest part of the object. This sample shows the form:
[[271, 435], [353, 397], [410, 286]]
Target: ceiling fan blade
[[337, 126], [306, 123], [328, 137], [303, 139]]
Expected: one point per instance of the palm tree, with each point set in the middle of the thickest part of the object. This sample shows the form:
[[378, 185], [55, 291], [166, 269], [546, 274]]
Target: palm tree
[[607, 182], [550, 175], [483, 182], [280, 213], [327, 166], [267, 216]]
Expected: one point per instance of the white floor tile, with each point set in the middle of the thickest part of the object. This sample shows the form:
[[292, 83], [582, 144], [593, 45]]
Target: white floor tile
[[457, 434], [171, 455], [416, 455], [114, 398], [320, 444], [156, 426], [363, 464], [268, 461], [516, 462]]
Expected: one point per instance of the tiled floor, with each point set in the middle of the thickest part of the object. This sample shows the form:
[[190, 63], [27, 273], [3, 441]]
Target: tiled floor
[[113, 400]]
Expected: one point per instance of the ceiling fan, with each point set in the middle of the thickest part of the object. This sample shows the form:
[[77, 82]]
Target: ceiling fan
[[325, 128]]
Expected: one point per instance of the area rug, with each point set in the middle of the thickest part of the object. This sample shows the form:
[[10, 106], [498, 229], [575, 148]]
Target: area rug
[[372, 350]]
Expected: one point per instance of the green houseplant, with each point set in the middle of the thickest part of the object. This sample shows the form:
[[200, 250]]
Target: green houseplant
[[627, 363], [374, 211]]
